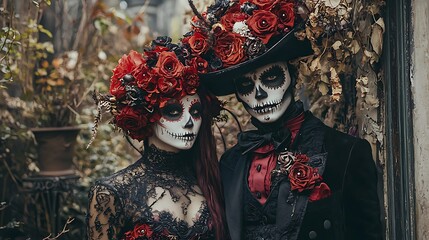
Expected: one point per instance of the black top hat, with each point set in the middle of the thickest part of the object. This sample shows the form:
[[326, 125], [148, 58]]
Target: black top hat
[[243, 35]]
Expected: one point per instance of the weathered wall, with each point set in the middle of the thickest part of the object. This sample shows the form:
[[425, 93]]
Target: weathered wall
[[420, 91]]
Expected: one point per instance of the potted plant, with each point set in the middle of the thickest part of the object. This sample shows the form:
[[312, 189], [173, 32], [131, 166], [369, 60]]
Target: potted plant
[[59, 92]]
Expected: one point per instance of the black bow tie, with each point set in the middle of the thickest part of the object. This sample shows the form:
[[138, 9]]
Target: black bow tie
[[254, 139]]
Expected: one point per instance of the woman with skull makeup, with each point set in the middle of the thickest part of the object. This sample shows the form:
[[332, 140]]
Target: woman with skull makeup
[[173, 190], [293, 177]]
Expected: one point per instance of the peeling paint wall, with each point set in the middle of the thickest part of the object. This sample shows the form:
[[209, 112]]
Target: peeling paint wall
[[420, 92]]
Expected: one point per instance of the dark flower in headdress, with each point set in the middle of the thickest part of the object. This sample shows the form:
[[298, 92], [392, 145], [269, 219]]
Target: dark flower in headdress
[[134, 95], [248, 8], [180, 51], [218, 8], [254, 47], [161, 41], [262, 4]]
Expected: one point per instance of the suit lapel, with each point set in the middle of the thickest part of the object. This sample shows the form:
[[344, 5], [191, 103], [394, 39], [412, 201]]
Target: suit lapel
[[291, 207], [234, 194]]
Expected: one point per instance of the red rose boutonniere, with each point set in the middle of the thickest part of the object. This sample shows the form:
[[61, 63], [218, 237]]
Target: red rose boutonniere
[[302, 176], [140, 232]]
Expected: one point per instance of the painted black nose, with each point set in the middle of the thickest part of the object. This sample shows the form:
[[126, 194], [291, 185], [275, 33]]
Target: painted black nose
[[189, 123], [260, 93]]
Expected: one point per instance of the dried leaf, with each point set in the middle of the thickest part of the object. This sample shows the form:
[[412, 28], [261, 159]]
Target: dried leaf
[[60, 82], [57, 62], [324, 78], [315, 64], [337, 45], [377, 37], [337, 88], [354, 46], [52, 82], [45, 64], [372, 100], [323, 88], [332, 3]]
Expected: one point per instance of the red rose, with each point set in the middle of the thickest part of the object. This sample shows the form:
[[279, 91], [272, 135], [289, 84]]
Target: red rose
[[152, 99], [198, 43], [190, 80], [169, 87], [263, 24], [320, 192], [232, 16], [131, 120], [148, 84], [142, 230], [200, 64], [303, 177], [142, 73], [229, 48], [168, 65], [286, 15], [126, 65], [262, 4]]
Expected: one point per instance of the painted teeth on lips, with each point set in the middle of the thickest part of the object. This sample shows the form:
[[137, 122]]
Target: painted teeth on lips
[[267, 107], [183, 136]]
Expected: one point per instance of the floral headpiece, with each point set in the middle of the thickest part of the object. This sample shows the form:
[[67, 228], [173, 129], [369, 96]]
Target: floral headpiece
[[142, 83], [231, 32]]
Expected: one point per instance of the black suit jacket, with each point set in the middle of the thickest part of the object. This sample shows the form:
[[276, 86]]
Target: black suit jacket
[[351, 212]]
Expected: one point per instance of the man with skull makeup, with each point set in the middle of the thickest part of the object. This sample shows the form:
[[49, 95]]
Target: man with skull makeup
[[173, 190], [293, 177]]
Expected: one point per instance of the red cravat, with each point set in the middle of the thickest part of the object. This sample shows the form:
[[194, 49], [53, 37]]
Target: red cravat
[[264, 161]]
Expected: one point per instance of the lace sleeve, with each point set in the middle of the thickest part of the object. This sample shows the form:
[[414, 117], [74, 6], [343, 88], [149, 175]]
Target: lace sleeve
[[105, 218]]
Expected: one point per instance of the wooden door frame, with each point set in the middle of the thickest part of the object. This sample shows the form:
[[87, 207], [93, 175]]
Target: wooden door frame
[[399, 122]]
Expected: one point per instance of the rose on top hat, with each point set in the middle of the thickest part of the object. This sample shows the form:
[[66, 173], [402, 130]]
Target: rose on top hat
[[142, 83], [237, 36]]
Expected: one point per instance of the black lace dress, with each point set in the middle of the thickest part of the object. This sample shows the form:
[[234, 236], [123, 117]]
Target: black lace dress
[[155, 198]]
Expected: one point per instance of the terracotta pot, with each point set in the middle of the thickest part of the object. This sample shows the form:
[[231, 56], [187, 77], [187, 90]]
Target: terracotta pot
[[55, 147]]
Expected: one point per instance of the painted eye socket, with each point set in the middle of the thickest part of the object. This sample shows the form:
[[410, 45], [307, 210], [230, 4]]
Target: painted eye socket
[[195, 110], [244, 85], [274, 77], [172, 111]]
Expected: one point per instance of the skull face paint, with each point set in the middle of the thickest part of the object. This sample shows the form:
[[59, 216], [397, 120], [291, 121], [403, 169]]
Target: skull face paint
[[264, 92], [180, 121]]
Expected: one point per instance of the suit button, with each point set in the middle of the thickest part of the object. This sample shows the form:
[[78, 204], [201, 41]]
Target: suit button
[[327, 224], [258, 195], [312, 235], [258, 168]]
